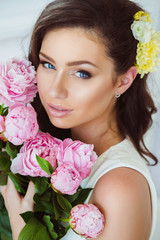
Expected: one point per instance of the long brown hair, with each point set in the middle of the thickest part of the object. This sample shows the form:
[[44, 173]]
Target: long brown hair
[[111, 20]]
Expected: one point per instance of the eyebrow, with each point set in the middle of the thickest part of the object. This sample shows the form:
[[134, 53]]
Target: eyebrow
[[74, 63]]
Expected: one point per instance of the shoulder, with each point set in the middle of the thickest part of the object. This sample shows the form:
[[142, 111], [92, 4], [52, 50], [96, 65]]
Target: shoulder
[[123, 196]]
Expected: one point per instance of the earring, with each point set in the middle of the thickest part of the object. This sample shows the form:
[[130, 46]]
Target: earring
[[125, 80], [117, 95]]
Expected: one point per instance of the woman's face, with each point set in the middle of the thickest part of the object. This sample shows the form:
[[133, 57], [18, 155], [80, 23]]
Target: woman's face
[[75, 78]]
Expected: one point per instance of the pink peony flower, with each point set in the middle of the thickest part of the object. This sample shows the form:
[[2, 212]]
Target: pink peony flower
[[2, 125], [66, 179], [18, 78], [21, 124], [79, 154], [43, 145], [86, 220]]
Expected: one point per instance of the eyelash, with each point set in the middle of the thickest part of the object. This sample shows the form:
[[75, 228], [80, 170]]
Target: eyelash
[[85, 73], [43, 64], [88, 75]]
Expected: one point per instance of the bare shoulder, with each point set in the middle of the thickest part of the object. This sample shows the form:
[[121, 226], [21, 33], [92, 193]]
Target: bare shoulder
[[123, 196]]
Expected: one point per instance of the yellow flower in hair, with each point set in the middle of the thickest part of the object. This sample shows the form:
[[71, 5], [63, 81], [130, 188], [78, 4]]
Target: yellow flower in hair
[[147, 58], [142, 15], [148, 48]]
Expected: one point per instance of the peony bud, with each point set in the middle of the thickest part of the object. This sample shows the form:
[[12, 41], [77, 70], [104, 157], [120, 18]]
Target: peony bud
[[86, 220], [66, 179]]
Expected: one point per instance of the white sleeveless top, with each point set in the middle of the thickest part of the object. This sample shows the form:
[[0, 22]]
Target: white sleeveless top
[[122, 154]]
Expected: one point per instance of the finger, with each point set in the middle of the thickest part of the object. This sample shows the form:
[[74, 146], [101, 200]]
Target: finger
[[11, 188], [9, 192], [3, 189], [30, 192]]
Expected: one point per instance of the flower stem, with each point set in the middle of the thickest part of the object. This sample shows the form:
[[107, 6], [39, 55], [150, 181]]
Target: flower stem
[[64, 219]]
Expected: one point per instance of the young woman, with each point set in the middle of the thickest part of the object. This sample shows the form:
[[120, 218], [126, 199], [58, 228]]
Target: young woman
[[90, 89]]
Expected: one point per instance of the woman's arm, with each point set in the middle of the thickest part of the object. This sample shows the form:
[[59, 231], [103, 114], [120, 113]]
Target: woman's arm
[[123, 196], [16, 205]]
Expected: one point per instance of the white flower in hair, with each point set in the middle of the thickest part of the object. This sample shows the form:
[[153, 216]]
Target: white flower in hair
[[142, 31]]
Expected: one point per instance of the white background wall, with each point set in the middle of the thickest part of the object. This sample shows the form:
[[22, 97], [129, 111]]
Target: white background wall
[[16, 21]]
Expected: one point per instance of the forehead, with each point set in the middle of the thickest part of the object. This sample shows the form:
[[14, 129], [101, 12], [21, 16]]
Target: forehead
[[77, 40], [91, 34]]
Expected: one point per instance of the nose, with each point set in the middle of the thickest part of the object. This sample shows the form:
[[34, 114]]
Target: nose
[[57, 88]]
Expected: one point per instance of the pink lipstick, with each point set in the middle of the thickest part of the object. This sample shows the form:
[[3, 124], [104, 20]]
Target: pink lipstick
[[58, 111]]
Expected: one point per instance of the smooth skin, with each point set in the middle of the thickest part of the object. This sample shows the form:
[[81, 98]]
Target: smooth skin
[[16, 204], [74, 73]]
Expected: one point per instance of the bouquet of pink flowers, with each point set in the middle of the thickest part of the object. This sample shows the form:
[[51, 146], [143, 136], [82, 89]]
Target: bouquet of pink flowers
[[56, 167]]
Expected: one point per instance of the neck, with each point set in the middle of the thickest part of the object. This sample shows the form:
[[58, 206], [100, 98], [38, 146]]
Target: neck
[[102, 135]]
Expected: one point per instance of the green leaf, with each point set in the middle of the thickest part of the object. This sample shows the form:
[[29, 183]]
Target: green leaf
[[42, 204], [46, 207], [84, 193], [50, 227], [46, 196], [34, 230], [3, 179], [7, 168], [41, 184], [5, 111], [64, 203], [4, 237], [45, 165], [1, 202], [55, 206], [5, 229], [2, 144], [72, 198], [19, 185], [1, 109], [27, 216], [11, 150], [4, 161]]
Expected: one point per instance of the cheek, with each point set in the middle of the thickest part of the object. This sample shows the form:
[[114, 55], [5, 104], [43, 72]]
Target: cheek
[[96, 95]]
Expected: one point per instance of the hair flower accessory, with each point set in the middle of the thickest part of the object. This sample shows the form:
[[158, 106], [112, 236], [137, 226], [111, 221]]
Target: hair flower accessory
[[142, 15], [148, 48]]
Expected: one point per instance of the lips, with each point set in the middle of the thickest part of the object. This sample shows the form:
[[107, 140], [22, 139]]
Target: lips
[[58, 111]]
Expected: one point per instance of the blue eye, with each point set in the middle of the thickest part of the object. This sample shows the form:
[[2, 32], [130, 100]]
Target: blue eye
[[47, 65], [83, 74]]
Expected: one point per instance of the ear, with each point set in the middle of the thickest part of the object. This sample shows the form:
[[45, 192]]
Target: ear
[[126, 80]]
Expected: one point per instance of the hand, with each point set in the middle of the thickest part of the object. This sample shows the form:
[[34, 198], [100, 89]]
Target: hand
[[16, 204]]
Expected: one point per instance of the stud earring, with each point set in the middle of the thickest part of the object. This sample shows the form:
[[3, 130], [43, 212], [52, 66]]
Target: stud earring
[[125, 80], [117, 95]]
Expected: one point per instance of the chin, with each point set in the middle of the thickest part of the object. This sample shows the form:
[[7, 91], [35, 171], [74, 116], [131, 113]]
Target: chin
[[61, 124]]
